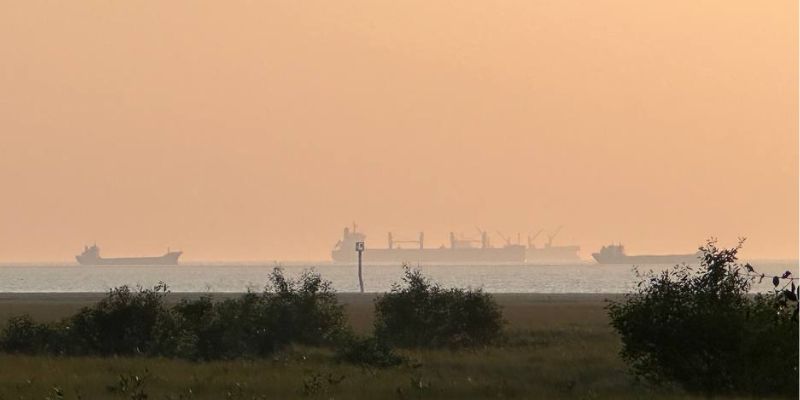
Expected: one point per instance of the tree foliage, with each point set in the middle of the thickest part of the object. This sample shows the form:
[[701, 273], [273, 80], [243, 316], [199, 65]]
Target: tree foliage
[[420, 313], [367, 351], [703, 330], [128, 322], [305, 311]]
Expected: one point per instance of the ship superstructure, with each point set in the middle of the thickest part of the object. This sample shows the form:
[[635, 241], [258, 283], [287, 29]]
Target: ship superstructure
[[91, 256]]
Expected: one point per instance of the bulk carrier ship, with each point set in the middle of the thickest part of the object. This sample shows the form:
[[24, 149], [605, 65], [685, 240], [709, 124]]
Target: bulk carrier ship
[[460, 251], [91, 256]]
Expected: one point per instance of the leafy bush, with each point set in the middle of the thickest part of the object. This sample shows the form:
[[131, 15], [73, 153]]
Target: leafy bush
[[127, 322], [422, 314], [702, 330], [124, 322], [305, 311], [23, 335], [367, 351], [227, 329]]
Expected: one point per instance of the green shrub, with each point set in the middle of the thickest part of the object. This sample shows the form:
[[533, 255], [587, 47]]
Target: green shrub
[[422, 314], [123, 323], [701, 329], [304, 311], [367, 351], [232, 328], [127, 322], [23, 335]]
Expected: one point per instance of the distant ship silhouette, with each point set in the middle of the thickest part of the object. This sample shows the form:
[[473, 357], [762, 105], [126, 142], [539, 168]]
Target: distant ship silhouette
[[550, 253], [460, 250], [91, 256], [615, 254]]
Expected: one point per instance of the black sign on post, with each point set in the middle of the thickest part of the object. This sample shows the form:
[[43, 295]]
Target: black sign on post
[[360, 249]]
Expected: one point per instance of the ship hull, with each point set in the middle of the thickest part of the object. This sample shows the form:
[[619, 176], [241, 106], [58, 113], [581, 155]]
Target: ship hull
[[647, 259], [515, 254], [167, 259]]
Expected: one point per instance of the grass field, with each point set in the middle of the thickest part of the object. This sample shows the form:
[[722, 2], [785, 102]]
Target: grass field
[[557, 346]]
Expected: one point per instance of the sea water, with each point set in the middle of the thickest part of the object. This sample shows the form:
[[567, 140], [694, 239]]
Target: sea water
[[239, 277]]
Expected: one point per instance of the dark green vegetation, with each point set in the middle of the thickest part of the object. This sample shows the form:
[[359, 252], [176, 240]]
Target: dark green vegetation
[[422, 314], [298, 339], [554, 347], [302, 312], [139, 322], [702, 330]]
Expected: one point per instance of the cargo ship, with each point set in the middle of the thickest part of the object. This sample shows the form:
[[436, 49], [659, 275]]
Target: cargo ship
[[615, 254], [460, 251], [91, 256], [550, 254]]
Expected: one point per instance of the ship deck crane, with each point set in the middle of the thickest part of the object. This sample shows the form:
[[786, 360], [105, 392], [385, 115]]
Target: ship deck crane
[[484, 238], [420, 241], [505, 238], [553, 235], [532, 238]]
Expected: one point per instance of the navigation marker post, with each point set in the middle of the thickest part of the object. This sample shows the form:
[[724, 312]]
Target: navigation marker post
[[360, 249]]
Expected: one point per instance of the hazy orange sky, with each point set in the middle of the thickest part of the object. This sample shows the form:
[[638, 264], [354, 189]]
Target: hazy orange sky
[[255, 130]]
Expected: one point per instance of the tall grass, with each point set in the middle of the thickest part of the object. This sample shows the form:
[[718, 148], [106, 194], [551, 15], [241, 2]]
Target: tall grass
[[577, 362], [556, 347]]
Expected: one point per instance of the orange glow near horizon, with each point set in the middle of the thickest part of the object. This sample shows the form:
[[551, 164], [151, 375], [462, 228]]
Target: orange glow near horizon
[[258, 130]]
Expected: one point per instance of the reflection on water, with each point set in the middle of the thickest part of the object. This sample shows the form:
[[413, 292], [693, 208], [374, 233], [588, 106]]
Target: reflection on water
[[238, 277]]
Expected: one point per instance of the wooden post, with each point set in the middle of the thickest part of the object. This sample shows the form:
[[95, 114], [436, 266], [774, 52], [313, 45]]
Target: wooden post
[[360, 249]]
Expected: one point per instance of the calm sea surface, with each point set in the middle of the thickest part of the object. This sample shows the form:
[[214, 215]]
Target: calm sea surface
[[238, 277]]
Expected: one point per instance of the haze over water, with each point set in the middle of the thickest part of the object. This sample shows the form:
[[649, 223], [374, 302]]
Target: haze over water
[[239, 277]]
